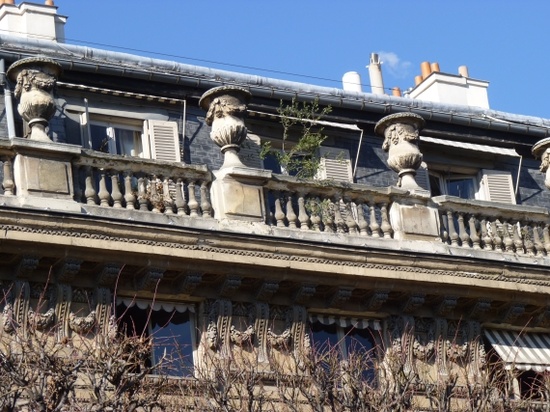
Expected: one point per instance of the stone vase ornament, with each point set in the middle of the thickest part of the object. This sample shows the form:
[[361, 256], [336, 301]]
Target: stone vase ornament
[[226, 108], [400, 132], [35, 79], [541, 150]]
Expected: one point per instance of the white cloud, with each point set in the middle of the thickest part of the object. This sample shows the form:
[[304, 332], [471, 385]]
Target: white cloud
[[394, 65]]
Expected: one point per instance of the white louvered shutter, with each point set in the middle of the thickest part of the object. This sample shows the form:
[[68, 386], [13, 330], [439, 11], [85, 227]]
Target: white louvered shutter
[[335, 165], [250, 152], [164, 140], [423, 177], [497, 186]]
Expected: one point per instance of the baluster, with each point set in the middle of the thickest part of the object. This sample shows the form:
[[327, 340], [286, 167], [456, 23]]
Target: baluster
[[129, 195], [518, 235], [8, 182], [279, 214], [374, 226], [290, 214], [154, 196], [104, 196], [350, 221], [338, 220], [328, 216], [361, 221], [142, 194], [453, 235], [508, 241], [315, 211], [529, 238], [486, 240], [497, 238], [89, 192], [463, 234], [116, 194], [302, 213], [167, 196], [385, 226], [193, 204], [539, 246], [546, 236], [474, 237], [206, 206], [181, 203]]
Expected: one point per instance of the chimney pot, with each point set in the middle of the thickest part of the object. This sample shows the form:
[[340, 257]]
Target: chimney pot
[[396, 91], [417, 80], [463, 71], [49, 3], [425, 69], [435, 67]]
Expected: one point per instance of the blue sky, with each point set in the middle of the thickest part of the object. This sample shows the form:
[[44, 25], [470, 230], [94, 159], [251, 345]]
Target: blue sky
[[504, 42]]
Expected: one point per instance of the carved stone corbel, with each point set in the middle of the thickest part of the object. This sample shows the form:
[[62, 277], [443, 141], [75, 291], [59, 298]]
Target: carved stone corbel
[[512, 312], [62, 310], [261, 327], [218, 329], [66, 269], [480, 307], [302, 345], [230, 285], [267, 289], [376, 299], [304, 293], [413, 302], [341, 296], [103, 300], [446, 305], [189, 283], [149, 278], [108, 274], [26, 265]]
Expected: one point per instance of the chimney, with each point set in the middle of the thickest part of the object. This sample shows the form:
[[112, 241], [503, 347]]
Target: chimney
[[375, 74], [439, 87], [30, 20], [396, 91]]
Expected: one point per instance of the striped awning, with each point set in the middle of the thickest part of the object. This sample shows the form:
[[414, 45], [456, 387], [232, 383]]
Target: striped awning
[[156, 306], [346, 322], [521, 350]]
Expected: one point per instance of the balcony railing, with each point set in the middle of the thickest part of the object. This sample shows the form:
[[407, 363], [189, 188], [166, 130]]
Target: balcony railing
[[348, 210], [494, 226], [146, 185], [329, 206]]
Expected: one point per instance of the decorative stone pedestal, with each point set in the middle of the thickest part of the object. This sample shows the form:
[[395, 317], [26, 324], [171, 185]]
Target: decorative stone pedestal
[[414, 220], [43, 174], [237, 193]]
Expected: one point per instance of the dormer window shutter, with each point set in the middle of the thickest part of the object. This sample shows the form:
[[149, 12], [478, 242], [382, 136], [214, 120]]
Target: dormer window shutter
[[164, 140], [423, 177], [335, 164], [497, 186], [250, 152]]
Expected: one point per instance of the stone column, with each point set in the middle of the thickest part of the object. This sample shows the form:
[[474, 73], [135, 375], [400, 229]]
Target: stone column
[[411, 217], [35, 79], [400, 132], [237, 192], [541, 150]]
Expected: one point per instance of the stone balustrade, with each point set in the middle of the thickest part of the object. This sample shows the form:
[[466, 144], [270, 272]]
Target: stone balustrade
[[330, 207], [142, 184], [475, 224]]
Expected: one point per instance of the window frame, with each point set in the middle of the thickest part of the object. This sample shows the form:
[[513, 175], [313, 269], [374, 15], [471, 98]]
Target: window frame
[[112, 124]]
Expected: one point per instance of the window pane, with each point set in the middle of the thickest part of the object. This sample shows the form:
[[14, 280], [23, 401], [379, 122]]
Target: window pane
[[99, 138], [324, 337], [461, 187], [127, 142], [360, 352], [172, 341]]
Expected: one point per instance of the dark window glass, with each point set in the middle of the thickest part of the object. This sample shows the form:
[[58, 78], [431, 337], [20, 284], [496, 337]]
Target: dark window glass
[[461, 187]]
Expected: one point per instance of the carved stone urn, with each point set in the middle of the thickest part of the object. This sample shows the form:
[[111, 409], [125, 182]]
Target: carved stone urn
[[400, 131], [226, 110], [541, 150], [35, 79]]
